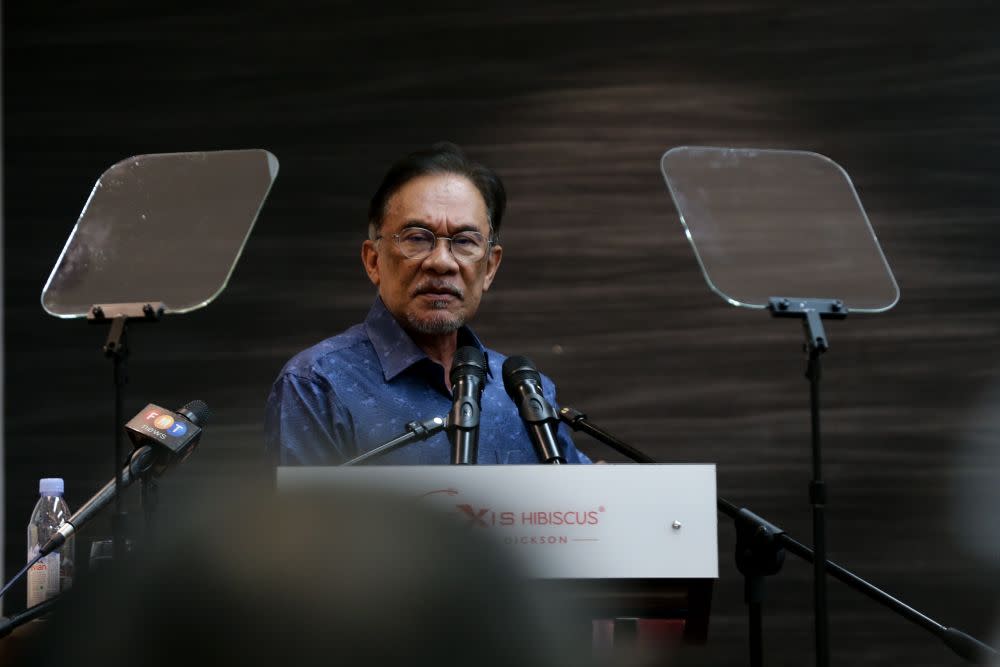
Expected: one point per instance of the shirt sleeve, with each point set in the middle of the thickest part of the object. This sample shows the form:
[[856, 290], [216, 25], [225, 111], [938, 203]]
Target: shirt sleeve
[[305, 424]]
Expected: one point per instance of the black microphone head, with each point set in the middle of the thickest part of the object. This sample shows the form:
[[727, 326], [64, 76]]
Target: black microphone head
[[469, 360], [517, 369], [196, 412]]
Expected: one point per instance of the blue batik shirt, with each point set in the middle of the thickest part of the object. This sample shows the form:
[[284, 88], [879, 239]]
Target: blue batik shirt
[[359, 389]]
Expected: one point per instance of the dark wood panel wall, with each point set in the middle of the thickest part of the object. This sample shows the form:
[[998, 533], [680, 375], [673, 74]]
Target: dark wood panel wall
[[573, 103]]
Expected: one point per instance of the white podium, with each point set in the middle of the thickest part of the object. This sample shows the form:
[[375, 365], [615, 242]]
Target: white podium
[[618, 540]]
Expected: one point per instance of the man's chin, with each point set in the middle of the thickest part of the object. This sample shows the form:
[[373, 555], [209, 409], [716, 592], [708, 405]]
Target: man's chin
[[435, 323]]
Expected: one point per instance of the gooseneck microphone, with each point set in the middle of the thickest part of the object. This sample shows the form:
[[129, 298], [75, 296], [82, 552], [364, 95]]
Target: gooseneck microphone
[[523, 383], [468, 377], [162, 438]]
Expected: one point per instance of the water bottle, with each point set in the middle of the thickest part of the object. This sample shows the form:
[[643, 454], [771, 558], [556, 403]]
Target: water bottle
[[53, 573]]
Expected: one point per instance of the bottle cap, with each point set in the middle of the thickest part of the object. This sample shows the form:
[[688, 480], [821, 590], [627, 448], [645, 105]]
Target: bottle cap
[[50, 486]]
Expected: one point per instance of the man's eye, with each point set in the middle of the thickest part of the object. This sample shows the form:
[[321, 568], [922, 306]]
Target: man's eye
[[465, 241], [415, 237]]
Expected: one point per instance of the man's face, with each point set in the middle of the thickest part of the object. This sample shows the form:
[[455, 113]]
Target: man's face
[[436, 294]]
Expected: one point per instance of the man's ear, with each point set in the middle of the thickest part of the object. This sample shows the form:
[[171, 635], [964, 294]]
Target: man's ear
[[369, 257], [492, 264]]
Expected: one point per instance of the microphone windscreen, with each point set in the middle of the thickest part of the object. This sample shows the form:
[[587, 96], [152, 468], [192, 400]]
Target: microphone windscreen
[[517, 369], [469, 360], [197, 412]]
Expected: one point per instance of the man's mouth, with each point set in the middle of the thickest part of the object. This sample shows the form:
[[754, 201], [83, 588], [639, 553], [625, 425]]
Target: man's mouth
[[439, 291]]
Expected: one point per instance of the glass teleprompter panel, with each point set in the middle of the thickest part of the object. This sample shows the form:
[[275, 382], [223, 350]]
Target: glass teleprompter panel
[[161, 228], [768, 223]]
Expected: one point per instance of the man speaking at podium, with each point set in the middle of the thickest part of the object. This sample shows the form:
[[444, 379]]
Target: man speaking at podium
[[432, 250]]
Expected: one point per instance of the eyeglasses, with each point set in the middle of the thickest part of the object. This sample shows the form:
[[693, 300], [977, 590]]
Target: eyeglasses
[[418, 243]]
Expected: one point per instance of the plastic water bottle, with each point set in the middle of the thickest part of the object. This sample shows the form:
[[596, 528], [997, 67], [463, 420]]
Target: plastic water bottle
[[53, 573]]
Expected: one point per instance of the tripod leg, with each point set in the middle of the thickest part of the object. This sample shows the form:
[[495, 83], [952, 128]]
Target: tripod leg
[[754, 586]]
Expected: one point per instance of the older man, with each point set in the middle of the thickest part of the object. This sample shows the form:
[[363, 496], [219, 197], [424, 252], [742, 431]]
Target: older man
[[433, 250]]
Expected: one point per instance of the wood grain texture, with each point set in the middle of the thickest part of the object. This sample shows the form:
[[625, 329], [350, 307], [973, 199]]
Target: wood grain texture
[[573, 103]]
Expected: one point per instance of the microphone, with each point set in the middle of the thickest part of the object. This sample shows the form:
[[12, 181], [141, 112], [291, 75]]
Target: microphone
[[162, 438], [523, 383], [174, 434], [468, 377]]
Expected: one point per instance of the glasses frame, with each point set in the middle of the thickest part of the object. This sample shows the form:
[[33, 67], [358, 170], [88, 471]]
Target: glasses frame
[[489, 244]]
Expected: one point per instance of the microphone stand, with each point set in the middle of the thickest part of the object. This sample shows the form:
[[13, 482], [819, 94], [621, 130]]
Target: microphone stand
[[415, 432], [31, 613], [140, 463], [760, 549]]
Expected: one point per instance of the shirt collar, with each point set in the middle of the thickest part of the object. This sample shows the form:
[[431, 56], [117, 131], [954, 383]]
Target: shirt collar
[[395, 349]]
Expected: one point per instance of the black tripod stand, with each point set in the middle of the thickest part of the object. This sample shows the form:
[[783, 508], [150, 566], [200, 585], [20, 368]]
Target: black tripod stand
[[760, 548], [116, 348]]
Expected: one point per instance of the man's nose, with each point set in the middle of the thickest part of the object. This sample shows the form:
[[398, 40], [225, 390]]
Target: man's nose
[[441, 259]]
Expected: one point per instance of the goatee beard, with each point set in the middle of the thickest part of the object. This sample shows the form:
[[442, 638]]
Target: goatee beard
[[437, 324]]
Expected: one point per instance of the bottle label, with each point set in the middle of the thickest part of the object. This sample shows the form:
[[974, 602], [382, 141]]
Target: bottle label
[[43, 578]]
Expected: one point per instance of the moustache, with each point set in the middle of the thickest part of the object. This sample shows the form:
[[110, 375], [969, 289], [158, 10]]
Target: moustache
[[438, 288]]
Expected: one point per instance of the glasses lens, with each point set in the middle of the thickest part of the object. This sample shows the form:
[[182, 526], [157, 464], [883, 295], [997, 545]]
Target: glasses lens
[[468, 246], [415, 242]]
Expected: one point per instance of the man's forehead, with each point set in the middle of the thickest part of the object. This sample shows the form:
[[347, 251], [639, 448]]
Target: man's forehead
[[435, 199]]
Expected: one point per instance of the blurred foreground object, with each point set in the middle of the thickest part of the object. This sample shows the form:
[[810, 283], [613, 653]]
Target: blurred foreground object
[[310, 578]]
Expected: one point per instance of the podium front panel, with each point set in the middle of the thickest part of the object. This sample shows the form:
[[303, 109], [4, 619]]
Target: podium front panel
[[581, 522]]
